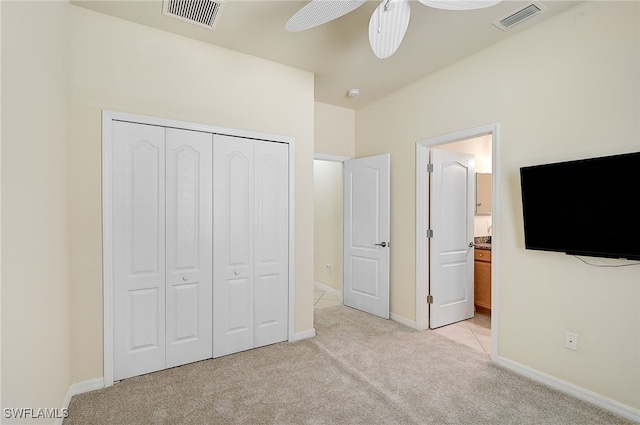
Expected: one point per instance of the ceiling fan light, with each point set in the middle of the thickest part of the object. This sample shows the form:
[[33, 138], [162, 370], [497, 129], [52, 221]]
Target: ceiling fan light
[[388, 27], [389, 5], [459, 4], [318, 12]]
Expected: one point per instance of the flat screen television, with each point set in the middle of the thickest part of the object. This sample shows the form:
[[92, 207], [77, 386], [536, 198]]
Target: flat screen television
[[588, 207]]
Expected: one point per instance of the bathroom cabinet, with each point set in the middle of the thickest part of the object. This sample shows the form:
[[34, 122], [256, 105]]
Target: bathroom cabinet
[[484, 201], [482, 280]]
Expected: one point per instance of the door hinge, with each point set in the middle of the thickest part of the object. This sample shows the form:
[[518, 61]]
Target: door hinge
[[429, 168], [429, 233], [429, 299]]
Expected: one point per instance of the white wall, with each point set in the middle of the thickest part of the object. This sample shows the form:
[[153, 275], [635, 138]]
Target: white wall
[[36, 348], [121, 66], [567, 88]]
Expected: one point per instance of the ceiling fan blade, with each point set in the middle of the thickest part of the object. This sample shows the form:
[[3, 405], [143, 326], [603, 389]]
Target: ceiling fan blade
[[387, 27], [318, 12], [460, 4]]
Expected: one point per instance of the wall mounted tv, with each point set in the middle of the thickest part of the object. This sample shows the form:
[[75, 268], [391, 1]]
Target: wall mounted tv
[[587, 207]]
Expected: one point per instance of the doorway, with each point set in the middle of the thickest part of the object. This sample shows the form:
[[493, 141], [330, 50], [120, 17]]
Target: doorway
[[482, 142], [328, 237], [361, 223]]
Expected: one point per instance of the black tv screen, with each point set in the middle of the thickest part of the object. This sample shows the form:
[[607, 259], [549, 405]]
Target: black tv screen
[[587, 207]]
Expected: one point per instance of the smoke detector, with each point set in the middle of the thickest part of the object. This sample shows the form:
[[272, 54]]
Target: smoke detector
[[203, 13]]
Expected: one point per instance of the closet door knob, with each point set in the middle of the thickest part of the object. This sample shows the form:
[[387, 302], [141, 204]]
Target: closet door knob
[[185, 278], [236, 272]]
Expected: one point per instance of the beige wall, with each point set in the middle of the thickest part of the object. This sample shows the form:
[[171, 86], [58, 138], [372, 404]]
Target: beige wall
[[327, 177], [567, 88], [117, 65], [479, 147], [36, 355], [62, 66], [334, 135], [334, 131]]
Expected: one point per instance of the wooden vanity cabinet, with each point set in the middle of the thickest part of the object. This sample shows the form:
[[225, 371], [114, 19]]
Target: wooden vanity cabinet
[[482, 280]]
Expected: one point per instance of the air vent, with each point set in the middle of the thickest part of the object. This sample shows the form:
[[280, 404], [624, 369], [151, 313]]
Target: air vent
[[520, 15], [204, 13]]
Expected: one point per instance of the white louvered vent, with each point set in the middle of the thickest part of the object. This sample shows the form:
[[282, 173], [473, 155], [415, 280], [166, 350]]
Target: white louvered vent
[[520, 15], [204, 13]]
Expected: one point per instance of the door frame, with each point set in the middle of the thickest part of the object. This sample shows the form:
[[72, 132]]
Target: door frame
[[108, 117], [422, 209]]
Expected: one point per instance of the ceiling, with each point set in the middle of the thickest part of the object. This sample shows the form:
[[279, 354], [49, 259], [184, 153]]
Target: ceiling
[[338, 52]]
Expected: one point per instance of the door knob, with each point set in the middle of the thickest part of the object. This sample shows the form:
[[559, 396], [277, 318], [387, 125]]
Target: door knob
[[471, 244], [382, 244]]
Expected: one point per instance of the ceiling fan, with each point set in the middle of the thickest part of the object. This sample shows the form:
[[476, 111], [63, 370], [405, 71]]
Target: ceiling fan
[[387, 25]]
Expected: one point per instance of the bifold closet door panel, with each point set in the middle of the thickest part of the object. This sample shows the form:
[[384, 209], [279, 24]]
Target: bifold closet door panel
[[271, 242], [138, 240], [233, 179], [189, 271]]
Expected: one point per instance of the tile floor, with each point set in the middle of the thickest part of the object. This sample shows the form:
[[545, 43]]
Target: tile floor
[[475, 332], [322, 299]]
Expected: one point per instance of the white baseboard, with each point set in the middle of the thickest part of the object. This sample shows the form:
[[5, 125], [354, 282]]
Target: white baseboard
[[326, 288], [403, 321], [299, 336], [79, 388], [599, 400]]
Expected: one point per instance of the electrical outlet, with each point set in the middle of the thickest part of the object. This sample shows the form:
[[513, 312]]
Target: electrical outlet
[[571, 341], [329, 268]]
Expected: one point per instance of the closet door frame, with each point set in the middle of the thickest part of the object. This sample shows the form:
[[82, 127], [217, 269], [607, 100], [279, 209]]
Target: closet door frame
[[108, 118]]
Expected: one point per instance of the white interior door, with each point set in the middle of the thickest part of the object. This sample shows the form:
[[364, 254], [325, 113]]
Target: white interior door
[[367, 234], [233, 245], [138, 238], [189, 248], [271, 242], [178, 294], [251, 244], [452, 193]]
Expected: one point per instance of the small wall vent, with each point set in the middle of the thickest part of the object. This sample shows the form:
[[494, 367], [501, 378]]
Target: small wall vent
[[520, 15], [204, 13]]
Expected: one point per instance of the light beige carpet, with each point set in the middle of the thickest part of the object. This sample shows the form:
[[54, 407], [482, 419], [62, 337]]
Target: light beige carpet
[[359, 369]]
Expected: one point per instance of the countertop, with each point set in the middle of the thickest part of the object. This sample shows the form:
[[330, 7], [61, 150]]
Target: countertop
[[482, 242]]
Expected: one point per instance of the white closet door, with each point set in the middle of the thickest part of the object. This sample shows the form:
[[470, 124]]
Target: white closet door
[[138, 249], [233, 245], [189, 276], [271, 242]]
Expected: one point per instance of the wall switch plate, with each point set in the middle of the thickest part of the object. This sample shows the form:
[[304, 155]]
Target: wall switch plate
[[571, 340]]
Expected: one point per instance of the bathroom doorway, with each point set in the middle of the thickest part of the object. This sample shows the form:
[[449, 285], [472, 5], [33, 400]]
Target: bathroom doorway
[[478, 331]]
